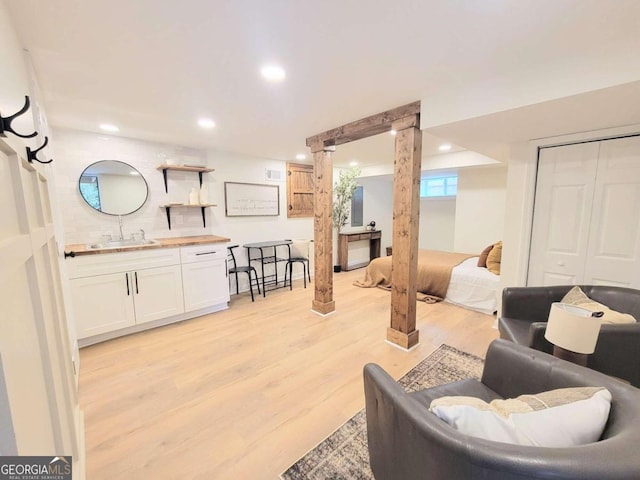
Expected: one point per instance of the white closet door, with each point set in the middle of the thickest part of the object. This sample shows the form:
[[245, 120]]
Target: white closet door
[[562, 214], [613, 255]]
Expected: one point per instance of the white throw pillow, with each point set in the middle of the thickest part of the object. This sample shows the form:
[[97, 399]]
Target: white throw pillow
[[558, 418]]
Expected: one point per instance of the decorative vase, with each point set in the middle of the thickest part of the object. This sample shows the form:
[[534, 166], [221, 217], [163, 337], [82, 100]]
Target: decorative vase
[[193, 197], [204, 195]]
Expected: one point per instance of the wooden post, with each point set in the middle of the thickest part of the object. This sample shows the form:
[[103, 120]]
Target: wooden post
[[406, 224], [406, 121], [323, 302]]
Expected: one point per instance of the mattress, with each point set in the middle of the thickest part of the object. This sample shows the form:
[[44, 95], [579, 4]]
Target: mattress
[[473, 287]]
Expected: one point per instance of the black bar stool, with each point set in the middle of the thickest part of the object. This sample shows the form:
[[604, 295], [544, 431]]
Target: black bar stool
[[231, 258], [298, 253]]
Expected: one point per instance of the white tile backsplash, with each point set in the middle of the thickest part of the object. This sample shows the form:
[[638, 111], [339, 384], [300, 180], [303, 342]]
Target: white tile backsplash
[[75, 150]]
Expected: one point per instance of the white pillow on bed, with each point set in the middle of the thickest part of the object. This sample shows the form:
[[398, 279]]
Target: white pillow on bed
[[564, 417]]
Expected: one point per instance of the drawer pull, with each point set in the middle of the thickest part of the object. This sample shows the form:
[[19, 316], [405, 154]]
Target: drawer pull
[[136, 275], [205, 253], [127, 281]]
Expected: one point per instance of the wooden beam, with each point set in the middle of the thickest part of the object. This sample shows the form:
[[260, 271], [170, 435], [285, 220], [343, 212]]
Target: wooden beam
[[406, 224], [323, 232], [366, 127]]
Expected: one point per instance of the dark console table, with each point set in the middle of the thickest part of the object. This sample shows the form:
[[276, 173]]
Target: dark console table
[[343, 247]]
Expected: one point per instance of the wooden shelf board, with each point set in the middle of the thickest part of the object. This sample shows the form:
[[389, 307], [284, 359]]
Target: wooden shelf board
[[185, 168], [189, 206]]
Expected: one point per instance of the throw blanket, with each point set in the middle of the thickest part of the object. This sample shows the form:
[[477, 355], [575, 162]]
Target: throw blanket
[[434, 273]]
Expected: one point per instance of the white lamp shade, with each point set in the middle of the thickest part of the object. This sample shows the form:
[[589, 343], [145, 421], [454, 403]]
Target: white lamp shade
[[572, 328]]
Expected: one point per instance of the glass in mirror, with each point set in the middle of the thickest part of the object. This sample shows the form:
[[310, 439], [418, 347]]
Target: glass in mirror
[[113, 187]]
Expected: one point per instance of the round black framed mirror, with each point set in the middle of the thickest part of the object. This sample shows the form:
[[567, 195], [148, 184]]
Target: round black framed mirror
[[113, 187]]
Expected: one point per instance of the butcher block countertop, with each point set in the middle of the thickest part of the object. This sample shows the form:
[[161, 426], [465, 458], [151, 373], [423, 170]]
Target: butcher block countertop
[[84, 249]]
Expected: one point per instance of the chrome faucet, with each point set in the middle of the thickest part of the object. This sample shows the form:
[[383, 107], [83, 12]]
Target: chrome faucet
[[120, 224]]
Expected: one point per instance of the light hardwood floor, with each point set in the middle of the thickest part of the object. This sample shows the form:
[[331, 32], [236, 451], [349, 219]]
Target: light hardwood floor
[[242, 394]]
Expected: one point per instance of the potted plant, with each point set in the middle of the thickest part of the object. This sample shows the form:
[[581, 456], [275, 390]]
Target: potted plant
[[343, 191]]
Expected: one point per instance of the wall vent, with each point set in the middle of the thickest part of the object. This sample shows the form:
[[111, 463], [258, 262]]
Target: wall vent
[[274, 175]]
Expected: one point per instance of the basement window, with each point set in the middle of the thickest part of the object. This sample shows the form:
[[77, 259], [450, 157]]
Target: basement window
[[444, 186]]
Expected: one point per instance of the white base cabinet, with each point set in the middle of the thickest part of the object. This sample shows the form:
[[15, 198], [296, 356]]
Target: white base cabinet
[[204, 276], [118, 293], [102, 303], [157, 293]]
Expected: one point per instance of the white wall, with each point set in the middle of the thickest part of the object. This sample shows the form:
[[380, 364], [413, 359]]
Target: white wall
[[14, 80], [467, 223], [76, 150], [437, 223], [376, 192], [480, 208], [437, 218]]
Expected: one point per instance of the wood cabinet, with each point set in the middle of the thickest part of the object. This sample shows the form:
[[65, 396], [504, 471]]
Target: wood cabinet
[[299, 190], [204, 276]]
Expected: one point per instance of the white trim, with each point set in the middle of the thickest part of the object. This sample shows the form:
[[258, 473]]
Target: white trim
[[85, 342], [322, 314], [406, 350]]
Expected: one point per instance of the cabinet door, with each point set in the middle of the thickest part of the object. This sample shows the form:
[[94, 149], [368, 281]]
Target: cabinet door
[[157, 293], [299, 190], [102, 303], [205, 284]]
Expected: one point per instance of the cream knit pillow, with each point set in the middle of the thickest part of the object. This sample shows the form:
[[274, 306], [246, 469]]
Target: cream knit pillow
[[577, 297]]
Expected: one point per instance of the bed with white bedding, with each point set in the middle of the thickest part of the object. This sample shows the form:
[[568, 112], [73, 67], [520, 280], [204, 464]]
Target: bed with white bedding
[[473, 287], [453, 277]]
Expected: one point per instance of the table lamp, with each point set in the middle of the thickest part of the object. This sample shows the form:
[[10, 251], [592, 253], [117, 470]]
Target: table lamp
[[573, 331]]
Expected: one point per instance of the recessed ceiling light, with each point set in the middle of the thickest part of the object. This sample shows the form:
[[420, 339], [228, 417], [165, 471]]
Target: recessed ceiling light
[[107, 127], [301, 156], [393, 132], [353, 163], [445, 147], [273, 73], [206, 123]]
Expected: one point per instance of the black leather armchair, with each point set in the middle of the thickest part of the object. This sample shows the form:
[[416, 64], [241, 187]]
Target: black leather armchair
[[408, 442], [524, 316]]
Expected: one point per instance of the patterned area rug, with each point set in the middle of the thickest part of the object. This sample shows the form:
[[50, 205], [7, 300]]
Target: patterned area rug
[[344, 455]]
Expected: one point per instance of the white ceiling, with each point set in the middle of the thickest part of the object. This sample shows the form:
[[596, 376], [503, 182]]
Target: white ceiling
[[479, 67]]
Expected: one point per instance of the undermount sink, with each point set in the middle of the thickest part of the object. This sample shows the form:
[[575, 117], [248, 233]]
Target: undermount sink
[[121, 243]]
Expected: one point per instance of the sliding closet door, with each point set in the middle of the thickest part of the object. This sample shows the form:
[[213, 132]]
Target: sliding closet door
[[586, 224], [614, 239], [562, 213]]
